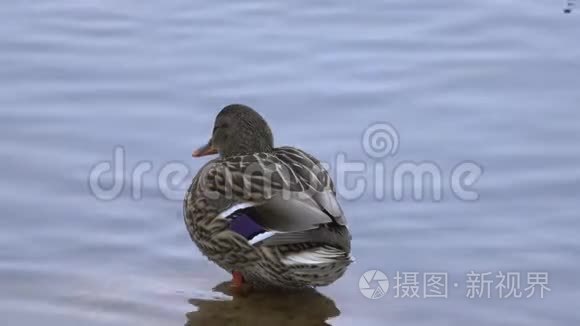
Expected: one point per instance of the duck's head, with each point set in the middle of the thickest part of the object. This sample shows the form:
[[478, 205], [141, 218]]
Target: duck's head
[[238, 130]]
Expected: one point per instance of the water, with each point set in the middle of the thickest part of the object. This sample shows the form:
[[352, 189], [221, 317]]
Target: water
[[490, 82]]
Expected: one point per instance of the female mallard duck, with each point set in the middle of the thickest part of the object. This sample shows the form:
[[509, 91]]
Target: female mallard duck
[[267, 215]]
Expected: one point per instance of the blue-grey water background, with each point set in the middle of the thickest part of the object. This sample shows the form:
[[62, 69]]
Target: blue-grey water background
[[494, 82]]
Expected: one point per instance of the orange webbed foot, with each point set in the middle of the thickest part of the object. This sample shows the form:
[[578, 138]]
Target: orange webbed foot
[[238, 285]]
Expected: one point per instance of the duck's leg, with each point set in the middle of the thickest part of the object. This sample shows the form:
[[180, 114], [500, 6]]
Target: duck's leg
[[239, 286], [237, 279]]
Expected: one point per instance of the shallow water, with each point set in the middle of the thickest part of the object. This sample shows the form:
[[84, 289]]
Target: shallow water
[[488, 82]]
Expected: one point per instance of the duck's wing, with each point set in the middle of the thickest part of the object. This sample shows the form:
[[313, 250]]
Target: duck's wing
[[289, 184], [283, 221], [277, 198]]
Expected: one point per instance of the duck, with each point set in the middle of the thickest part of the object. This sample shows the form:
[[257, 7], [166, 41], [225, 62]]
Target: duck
[[268, 215]]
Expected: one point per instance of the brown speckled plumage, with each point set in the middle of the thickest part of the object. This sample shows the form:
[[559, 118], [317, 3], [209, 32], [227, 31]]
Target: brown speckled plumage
[[310, 248]]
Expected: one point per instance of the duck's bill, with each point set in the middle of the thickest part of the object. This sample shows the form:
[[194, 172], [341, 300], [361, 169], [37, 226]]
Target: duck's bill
[[204, 150]]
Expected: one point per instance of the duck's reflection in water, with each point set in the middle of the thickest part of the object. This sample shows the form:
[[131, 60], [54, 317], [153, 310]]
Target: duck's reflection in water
[[307, 307]]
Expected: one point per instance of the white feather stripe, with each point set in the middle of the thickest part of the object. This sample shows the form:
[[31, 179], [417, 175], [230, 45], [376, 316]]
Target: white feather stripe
[[261, 236], [313, 257], [235, 208]]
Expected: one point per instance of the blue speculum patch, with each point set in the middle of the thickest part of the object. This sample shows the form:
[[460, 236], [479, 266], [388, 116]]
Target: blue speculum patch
[[243, 224]]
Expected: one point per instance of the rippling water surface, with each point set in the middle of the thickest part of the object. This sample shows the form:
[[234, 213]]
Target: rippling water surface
[[491, 82]]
